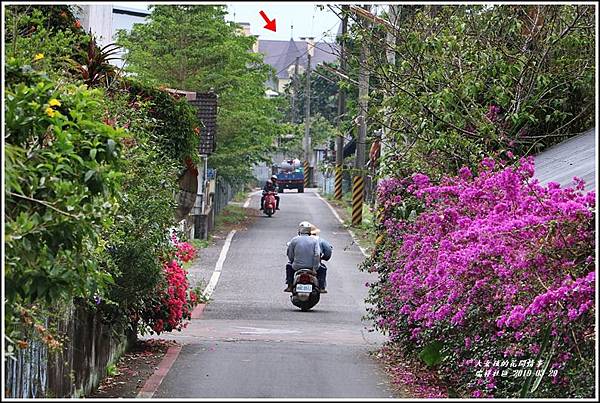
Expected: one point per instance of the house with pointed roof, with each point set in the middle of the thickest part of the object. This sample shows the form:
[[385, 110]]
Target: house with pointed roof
[[281, 55]]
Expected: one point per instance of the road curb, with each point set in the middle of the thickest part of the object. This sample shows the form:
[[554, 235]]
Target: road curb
[[197, 312], [352, 234], [152, 384]]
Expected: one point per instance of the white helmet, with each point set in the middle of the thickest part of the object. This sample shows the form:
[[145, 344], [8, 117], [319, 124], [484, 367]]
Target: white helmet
[[304, 228]]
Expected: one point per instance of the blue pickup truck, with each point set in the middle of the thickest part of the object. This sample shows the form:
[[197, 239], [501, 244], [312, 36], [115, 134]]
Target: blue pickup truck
[[290, 175]]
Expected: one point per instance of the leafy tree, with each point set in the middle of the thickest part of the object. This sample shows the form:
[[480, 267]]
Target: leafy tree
[[191, 47], [324, 94], [292, 135], [480, 80]]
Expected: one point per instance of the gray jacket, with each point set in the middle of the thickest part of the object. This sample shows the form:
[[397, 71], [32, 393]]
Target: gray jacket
[[304, 252], [326, 249]]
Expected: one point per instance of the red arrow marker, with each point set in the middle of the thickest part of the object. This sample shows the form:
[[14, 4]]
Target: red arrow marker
[[270, 23]]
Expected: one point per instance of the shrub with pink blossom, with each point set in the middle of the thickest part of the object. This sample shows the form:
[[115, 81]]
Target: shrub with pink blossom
[[487, 274], [173, 301], [185, 251]]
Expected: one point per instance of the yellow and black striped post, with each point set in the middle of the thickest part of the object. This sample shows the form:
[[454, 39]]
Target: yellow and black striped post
[[358, 190], [337, 193], [306, 174]]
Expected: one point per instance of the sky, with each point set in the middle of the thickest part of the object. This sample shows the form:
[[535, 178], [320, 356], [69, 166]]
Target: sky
[[306, 18]]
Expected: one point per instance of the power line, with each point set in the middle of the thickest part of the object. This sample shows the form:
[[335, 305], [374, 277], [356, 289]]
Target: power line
[[307, 48]]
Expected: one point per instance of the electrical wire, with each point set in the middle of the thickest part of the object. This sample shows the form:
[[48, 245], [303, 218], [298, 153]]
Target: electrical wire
[[306, 52]]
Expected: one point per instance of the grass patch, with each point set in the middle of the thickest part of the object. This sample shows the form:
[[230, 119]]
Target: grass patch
[[230, 215], [338, 203], [240, 196], [201, 243], [198, 289], [365, 232]]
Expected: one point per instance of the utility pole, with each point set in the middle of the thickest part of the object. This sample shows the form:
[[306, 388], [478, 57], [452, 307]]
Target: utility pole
[[339, 141], [390, 52], [394, 14], [358, 187], [295, 96], [363, 101], [307, 140]]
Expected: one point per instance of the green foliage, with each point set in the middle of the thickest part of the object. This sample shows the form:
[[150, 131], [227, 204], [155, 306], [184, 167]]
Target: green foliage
[[112, 370], [174, 121], [62, 179], [431, 354], [324, 94], [291, 136], [191, 47], [162, 136], [322, 132], [476, 80], [49, 37], [230, 215], [91, 175], [290, 139]]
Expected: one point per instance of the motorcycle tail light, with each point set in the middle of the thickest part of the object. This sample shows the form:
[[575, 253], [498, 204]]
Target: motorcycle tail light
[[304, 278]]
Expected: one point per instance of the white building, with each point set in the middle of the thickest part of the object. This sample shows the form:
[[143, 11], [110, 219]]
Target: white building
[[105, 20]]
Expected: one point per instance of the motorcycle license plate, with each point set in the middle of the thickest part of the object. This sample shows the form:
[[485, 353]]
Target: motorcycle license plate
[[304, 287]]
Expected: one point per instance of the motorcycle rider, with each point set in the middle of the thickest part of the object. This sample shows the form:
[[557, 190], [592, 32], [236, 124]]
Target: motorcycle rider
[[303, 252], [326, 251], [270, 186]]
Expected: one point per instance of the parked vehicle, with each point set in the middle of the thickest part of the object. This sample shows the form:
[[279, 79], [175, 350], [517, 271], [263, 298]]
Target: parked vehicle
[[305, 289], [290, 175], [270, 203]]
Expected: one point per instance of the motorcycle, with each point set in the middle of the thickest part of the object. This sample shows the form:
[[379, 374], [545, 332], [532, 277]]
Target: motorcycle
[[270, 203], [305, 289]]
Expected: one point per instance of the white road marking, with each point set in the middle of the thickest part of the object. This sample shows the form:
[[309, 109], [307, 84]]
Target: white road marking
[[342, 222], [219, 266], [212, 284], [262, 330], [247, 203]]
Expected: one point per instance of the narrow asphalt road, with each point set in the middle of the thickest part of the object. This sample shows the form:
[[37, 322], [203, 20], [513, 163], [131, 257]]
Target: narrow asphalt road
[[251, 342]]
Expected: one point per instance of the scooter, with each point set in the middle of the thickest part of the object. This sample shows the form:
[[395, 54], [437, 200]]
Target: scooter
[[270, 203], [305, 289]]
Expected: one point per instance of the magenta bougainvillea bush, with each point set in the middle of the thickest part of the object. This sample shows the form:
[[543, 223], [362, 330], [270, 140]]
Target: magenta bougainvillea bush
[[172, 304], [489, 277]]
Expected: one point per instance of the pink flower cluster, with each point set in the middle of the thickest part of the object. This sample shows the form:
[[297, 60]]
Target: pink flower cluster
[[174, 300], [185, 251], [493, 112], [495, 254]]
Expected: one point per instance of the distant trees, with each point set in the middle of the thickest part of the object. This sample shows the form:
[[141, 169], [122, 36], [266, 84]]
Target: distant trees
[[192, 47]]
